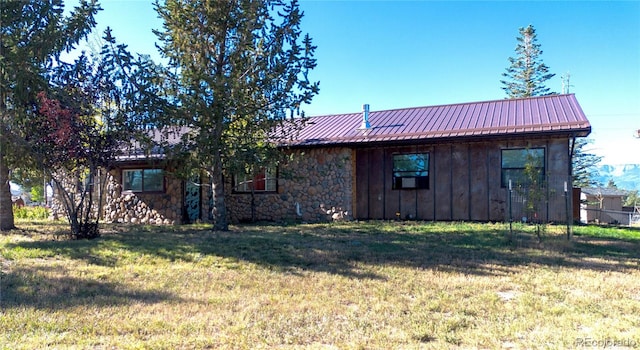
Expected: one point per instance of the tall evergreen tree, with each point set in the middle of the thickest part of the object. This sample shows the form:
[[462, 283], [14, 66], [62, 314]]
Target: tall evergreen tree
[[584, 164], [527, 74], [33, 34], [233, 63]]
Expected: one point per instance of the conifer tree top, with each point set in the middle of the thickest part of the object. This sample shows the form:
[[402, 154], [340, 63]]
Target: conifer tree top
[[527, 74]]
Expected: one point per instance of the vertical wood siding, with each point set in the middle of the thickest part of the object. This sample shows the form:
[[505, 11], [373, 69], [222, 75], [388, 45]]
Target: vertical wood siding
[[464, 182], [460, 181], [442, 181], [478, 180]]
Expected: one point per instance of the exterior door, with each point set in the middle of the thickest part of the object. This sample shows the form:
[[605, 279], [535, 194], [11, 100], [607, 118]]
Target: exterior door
[[192, 199]]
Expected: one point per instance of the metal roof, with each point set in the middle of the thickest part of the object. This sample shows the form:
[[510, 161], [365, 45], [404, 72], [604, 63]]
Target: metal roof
[[604, 191], [553, 114]]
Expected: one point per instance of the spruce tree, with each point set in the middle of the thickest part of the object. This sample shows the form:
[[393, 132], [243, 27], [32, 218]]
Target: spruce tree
[[584, 164], [232, 63], [33, 34], [527, 74]]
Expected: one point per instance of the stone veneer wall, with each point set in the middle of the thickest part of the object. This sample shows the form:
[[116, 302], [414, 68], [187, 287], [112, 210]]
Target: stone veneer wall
[[73, 186], [143, 208], [315, 177]]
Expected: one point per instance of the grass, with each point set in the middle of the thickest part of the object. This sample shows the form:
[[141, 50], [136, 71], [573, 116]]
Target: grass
[[369, 285]]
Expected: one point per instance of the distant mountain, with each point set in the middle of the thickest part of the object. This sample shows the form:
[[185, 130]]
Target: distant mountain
[[625, 176]]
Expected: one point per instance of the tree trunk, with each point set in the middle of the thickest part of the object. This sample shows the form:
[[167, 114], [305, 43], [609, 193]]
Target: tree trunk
[[6, 205], [219, 207]]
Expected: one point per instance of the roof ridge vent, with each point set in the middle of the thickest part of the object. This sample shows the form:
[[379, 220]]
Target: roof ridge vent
[[365, 125]]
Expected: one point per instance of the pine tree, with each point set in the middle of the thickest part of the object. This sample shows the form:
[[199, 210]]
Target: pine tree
[[527, 74], [33, 34], [584, 164], [232, 63]]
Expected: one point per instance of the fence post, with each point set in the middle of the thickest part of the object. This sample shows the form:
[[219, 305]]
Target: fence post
[[510, 212], [567, 209]]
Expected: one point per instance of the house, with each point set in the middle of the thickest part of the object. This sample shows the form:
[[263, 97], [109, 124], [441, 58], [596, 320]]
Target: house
[[462, 161], [603, 205]]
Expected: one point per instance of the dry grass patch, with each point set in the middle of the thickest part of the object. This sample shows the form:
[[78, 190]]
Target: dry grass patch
[[354, 285]]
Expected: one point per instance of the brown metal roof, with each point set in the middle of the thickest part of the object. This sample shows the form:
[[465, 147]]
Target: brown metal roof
[[554, 114]]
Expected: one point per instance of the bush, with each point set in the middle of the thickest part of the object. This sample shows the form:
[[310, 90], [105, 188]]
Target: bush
[[37, 193], [26, 212]]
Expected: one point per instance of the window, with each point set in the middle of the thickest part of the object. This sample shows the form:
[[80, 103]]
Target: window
[[519, 165], [264, 181], [410, 171], [143, 180]]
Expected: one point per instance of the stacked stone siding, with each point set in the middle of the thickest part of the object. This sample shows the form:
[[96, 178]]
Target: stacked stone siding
[[309, 186], [161, 208], [314, 178], [74, 187]]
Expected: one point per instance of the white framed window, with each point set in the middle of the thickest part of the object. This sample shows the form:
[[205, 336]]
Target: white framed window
[[263, 181]]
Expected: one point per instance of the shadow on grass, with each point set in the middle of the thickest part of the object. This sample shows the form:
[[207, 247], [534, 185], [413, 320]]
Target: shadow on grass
[[351, 249], [35, 287]]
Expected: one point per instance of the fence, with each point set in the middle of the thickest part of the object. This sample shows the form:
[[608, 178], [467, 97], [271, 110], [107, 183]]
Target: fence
[[612, 217], [551, 201], [547, 201]]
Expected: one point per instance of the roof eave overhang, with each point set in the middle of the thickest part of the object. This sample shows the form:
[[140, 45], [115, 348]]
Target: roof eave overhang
[[363, 142]]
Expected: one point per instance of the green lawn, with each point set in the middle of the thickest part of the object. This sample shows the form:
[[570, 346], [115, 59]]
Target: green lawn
[[370, 285]]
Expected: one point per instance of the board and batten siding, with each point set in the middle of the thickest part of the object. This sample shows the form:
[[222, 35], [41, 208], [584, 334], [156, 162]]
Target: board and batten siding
[[464, 182]]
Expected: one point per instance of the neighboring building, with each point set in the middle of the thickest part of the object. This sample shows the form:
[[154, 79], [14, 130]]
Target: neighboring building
[[603, 205], [449, 162]]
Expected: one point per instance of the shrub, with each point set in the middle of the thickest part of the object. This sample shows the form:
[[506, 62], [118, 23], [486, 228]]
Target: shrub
[[26, 212], [37, 193]]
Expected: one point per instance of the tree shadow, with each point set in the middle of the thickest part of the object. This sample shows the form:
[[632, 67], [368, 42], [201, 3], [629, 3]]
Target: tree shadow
[[343, 249], [33, 287], [351, 249]]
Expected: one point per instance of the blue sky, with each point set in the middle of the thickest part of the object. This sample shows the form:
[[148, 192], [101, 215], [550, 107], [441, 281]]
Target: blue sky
[[395, 54]]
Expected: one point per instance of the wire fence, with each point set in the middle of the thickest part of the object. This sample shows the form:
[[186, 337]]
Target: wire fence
[[546, 201], [552, 200], [549, 201], [610, 217]]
